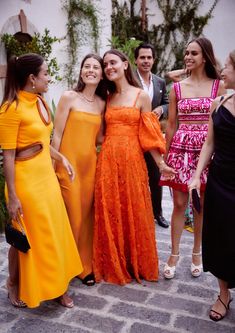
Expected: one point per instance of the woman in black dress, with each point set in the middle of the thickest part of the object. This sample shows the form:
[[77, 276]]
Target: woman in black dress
[[218, 240]]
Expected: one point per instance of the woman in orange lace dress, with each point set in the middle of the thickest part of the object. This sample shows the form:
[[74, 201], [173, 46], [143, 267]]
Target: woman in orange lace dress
[[124, 234], [77, 124]]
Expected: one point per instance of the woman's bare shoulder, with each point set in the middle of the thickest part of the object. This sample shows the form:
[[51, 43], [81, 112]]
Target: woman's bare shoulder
[[143, 95], [69, 94]]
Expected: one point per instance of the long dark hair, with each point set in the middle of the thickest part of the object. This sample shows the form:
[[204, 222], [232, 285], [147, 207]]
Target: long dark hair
[[101, 89], [209, 56], [18, 71], [131, 79]]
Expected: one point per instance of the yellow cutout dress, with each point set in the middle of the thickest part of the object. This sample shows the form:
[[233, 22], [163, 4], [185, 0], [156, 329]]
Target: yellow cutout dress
[[78, 145], [53, 260]]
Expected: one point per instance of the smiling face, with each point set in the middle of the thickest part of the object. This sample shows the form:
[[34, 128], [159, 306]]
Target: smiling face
[[144, 61], [114, 67], [91, 72], [228, 74], [193, 57], [41, 80]]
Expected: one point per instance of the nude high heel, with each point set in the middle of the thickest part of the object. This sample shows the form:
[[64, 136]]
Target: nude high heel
[[12, 295]]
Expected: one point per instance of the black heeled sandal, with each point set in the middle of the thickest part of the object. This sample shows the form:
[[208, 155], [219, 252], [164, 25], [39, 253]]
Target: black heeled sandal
[[89, 280], [218, 316]]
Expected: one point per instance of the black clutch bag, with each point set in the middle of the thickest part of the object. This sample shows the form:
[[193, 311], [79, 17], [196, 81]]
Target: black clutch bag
[[196, 201], [16, 238]]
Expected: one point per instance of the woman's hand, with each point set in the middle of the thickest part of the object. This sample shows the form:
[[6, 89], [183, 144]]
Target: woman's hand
[[69, 168], [167, 172], [195, 184], [14, 208]]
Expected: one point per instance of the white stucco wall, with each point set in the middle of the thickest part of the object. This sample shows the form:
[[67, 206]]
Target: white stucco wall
[[221, 27], [49, 14]]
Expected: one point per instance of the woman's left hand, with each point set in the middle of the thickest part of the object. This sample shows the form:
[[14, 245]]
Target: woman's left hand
[[68, 166], [167, 172]]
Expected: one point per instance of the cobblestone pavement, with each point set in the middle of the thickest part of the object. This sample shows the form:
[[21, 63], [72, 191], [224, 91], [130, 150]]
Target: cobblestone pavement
[[178, 305]]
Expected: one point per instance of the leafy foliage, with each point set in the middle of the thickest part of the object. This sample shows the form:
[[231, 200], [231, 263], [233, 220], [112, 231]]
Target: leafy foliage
[[79, 12], [128, 47], [181, 23], [40, 44]]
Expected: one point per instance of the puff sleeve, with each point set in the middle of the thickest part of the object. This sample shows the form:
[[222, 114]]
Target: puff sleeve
[[150, 134], [9, 126]]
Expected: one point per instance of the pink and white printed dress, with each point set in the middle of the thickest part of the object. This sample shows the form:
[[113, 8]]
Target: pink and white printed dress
[[188, 140]]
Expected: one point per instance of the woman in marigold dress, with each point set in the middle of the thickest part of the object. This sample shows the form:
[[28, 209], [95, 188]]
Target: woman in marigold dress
[[33, 192], [77, 125], [124, 233], [190, 101]]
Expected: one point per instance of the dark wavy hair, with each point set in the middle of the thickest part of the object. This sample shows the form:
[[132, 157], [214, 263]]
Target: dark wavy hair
[[208, 53], [144, 46], [18, 71], [101, 89], [131, 78]]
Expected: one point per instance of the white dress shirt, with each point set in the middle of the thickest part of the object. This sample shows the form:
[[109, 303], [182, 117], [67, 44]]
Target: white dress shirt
[[148, 89]]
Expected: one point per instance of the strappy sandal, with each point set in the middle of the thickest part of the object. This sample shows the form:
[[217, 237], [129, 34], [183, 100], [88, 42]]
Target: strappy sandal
[[218, 316], [17, 303], [169, 271], [196, 270], [89, 280], [65, 301]]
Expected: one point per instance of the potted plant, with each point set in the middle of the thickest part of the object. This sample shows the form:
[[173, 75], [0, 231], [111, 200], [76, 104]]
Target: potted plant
[[22, 43]]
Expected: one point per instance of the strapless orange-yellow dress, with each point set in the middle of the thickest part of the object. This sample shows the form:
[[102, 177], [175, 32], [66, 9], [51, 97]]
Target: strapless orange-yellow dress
[[124, 232], [53, 260], [78, 144]]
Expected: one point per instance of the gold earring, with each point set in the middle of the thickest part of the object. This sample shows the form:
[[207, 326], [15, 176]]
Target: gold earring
[[33, 86]]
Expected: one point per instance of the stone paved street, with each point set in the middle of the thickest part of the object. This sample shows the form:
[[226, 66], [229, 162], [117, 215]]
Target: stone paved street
[[179, 305]]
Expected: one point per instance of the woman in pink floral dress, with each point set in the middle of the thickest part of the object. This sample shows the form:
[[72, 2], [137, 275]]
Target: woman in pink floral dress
[[190, 102]]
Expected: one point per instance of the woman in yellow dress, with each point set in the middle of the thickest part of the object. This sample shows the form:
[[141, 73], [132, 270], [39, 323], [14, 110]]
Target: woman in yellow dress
[[32, 189], [77, 124]]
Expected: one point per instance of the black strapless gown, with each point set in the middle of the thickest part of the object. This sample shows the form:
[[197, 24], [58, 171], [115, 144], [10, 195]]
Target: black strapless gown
[[218, 237]]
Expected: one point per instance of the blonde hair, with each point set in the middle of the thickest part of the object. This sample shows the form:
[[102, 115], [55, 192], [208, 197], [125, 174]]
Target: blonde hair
[[232, 57]]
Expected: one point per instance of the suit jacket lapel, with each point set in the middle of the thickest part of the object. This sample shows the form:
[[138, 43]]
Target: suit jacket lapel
[[156, 92]]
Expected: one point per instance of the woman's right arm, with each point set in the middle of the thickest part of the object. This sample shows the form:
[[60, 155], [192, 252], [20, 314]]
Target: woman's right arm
[[206, 152], [172, 119], [14, 206], [177, 75], [61, 115]]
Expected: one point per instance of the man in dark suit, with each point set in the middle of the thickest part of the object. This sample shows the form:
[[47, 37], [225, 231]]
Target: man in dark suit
[[156, 88]]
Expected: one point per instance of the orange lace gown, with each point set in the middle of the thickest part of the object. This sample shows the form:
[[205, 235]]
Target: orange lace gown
[[124, 244], [78, 145], [53, 260]]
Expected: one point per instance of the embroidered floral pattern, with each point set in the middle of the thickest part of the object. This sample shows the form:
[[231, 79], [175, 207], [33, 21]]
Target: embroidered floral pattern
[[188, 140]]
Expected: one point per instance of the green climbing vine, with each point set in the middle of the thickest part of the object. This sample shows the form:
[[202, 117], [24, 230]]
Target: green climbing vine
[[79, 12], [181, 22]]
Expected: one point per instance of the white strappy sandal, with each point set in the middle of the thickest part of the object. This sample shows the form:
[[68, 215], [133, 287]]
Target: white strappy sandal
[[169, 271], [196, 270]]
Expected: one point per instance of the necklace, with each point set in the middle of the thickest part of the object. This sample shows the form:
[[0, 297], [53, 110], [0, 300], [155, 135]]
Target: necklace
[[86, 98]]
